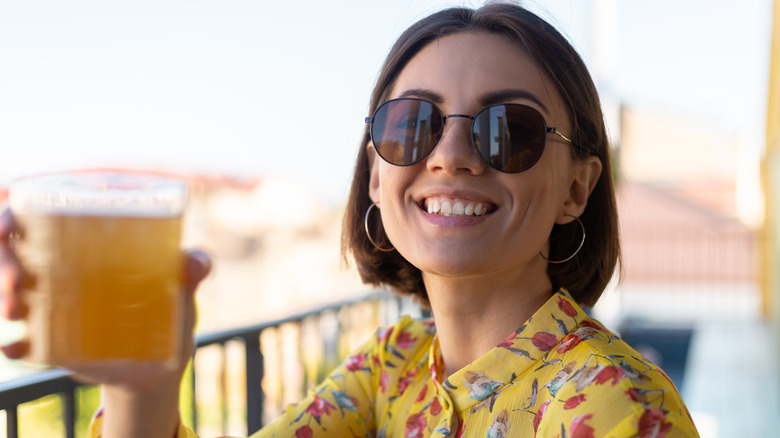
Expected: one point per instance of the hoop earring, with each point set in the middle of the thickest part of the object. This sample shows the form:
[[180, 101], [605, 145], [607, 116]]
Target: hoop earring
[[368, 233], [582, 242]]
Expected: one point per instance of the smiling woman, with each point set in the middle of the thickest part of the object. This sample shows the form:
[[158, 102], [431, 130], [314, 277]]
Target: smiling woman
[[487, 157]]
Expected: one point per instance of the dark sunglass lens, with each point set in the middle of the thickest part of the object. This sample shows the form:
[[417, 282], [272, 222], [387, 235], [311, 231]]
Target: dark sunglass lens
[[404, 131], [510, 137]]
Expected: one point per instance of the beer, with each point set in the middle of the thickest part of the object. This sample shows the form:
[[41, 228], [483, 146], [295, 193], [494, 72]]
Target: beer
[[104, 278]]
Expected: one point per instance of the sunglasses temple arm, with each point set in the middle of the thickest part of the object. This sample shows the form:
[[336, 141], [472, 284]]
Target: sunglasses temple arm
[[558, 133]]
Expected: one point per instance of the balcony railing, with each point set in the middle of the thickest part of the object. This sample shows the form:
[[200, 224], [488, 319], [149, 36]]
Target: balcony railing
[[332, 326]]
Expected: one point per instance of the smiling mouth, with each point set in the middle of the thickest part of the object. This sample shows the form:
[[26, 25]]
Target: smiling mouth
[[456, 207]]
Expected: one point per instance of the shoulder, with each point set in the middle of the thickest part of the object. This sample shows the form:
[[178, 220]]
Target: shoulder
[[614, 387], [600, 358]]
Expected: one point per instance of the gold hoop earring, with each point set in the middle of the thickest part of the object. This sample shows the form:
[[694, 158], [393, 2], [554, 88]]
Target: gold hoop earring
[[368, 233], [582, 242]]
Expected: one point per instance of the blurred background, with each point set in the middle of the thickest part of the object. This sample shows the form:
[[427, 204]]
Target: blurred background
[[260, 106]]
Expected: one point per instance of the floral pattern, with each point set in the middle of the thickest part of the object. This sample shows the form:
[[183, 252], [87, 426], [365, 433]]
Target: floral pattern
[[560, 375]]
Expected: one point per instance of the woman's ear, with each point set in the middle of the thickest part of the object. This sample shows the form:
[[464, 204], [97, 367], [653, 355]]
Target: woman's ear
[[373, 167], [585, 175]]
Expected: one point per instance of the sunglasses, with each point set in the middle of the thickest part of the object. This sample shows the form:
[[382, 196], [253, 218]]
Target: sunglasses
[[510, 137]]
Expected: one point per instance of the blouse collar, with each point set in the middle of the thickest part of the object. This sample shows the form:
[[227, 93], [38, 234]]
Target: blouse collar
[[494, 371]]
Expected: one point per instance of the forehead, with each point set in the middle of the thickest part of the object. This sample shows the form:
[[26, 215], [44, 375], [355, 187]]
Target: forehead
[[463, 67]]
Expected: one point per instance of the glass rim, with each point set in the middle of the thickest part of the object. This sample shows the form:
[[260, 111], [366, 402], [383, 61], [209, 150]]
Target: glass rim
[[100, 191]]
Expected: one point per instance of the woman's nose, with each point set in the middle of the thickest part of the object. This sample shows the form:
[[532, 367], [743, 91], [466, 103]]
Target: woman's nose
[[455, 151]]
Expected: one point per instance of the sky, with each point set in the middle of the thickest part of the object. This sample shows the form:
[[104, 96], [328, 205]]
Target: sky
[[251, 88]]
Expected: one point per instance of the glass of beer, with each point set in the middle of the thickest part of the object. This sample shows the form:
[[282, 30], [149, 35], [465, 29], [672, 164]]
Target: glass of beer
[[102, 261]]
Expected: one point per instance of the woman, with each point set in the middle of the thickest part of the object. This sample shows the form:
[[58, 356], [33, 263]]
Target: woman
[[484, 166]]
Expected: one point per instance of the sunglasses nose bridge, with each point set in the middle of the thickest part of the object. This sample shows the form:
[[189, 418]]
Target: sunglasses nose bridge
[[465, 116], [470, 125], [450, 150]]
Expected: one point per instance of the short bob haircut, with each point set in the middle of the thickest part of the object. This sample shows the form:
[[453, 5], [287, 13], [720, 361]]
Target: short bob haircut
[[587, 274]]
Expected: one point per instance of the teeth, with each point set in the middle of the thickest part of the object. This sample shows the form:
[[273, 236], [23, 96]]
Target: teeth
[[433, 206], [457, 209], [447, 207]]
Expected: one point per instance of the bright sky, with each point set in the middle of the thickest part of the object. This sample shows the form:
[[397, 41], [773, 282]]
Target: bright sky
[[251, 87]]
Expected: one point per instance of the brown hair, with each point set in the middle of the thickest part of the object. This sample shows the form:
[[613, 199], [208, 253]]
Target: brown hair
[[587, 274]]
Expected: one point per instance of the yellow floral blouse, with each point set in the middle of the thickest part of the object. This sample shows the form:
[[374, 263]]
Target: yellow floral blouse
[[562, 374]]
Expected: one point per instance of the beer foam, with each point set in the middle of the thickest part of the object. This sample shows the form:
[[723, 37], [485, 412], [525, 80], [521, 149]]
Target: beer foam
[[98, 193]]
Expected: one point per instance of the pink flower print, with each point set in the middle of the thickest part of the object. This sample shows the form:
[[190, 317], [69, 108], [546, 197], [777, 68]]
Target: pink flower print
[[375, 359], [611, 372], [638, 395], [566, 307], [593, 325], [357, 362], [579, 429], [384, 335], [461, 429], [405, 340], [435, 407], [319, 407], [421, 397], [383, 379], [575, 401], [500, 426], [544, 341], [404, 381], [415, 426], [506, 343], [570, 341], [539, 415], [653, 424], [303, 432]]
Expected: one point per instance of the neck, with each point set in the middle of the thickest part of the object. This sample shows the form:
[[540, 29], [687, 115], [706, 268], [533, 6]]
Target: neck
[[473, 315]]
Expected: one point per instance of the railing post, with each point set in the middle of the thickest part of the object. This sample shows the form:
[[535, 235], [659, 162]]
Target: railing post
[[12, 422], [254, 388], [69, 412], [223, 383], [194, 396]]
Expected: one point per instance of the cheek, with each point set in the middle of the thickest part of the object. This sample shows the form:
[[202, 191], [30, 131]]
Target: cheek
[[393, 182]]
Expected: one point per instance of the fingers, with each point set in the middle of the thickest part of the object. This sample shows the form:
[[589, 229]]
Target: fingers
[[11, 307], [10, 271], [197, 267], [6, 224], [17, 350]]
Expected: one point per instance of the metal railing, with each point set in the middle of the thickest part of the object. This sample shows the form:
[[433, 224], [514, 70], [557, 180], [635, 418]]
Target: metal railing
[[378, 308]]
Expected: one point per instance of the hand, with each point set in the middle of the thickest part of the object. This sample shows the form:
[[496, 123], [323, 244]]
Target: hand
[[139, 401], [197, 265]]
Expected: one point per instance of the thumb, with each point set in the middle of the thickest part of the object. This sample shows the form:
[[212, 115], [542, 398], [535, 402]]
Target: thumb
[[197, 266]]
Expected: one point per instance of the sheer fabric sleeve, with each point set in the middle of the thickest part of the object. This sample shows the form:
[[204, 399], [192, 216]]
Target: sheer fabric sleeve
[[342, 405]]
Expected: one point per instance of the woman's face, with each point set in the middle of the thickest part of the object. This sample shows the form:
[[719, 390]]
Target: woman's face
[[461, 74]]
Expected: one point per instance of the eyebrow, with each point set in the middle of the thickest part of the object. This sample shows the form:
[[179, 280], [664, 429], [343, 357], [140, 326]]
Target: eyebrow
[[423, 94], [488, 99], [510, 94]]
